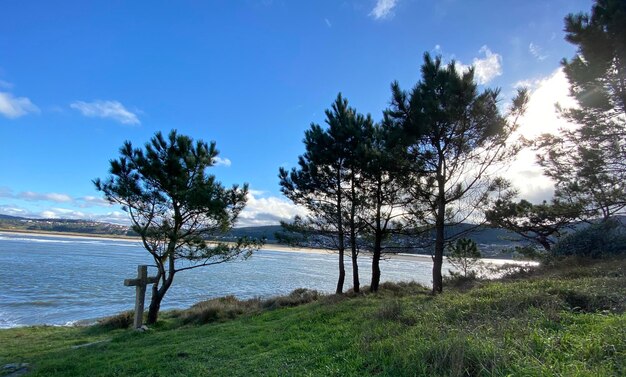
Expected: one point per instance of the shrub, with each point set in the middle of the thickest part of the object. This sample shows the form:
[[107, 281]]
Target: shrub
[[119, 321], [597, 240], [297, 297], [219, 309]]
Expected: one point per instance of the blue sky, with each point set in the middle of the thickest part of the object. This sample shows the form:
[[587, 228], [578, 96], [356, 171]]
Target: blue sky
[[79, 78]]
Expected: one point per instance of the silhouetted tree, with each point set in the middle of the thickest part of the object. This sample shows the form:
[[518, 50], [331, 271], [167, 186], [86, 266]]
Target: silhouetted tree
[[588, 163], [326, 183], [385, 177], [540, 223], [458, 135], [175, 206]]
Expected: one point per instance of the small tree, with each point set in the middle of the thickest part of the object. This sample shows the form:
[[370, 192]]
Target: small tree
[[175, 206], [464, 256]]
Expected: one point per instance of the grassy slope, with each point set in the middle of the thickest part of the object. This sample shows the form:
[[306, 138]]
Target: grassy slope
[[567, 322]]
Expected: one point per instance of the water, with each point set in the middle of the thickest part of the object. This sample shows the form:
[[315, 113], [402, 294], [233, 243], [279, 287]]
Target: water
[[59, 280]]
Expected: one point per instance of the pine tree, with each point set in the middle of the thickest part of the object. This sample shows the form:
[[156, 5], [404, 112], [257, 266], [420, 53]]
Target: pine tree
[[175, 206], [464, 255], [326, 182], [456, 135], [540, 223], [588, 163], [385, 178]]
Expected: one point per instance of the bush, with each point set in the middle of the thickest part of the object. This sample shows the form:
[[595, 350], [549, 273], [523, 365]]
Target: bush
[[219, 309], [119, 321], [597, 240], [297, 297]]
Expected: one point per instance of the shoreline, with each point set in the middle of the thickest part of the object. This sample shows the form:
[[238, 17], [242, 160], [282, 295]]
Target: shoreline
[[266, 247]]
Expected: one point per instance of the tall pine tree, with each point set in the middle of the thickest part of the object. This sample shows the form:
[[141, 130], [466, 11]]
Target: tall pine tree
[[327, 182], [588, 163], [457, 135]]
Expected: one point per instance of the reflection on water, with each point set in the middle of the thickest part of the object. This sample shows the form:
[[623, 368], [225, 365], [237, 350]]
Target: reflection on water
[[57, 281]]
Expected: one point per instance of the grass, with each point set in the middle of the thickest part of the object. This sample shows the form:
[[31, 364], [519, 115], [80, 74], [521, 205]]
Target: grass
[[566, 321]]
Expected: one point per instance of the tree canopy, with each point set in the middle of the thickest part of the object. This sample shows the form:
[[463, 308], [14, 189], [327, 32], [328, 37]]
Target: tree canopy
[[457, 135], [175, 206], [588, 163], [325, 181]]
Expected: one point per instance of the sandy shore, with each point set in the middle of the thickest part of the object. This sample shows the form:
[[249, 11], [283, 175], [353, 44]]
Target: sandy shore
[[268, 247], [272, 247]]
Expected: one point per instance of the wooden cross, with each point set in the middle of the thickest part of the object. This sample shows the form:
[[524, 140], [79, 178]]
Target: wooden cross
[[140, 291]]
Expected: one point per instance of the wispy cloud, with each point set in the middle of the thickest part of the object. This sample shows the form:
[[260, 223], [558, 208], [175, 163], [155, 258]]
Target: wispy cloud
[[14, 107], [486, 68], [383, 9], [116, 217], [537, 51], [5, 192], [219, 161], [328, 22], [50, 197], [92, 201], [31, 196], [106, 109], [5, 85]]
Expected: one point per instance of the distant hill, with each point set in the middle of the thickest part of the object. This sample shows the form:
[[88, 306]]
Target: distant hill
[[9, 223], [266, 231], [7, 217], [491, 241], [15, 223]]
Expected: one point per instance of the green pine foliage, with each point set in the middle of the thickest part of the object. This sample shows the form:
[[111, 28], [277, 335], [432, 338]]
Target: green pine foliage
[[454, 134], [603, 239], [464, 256], [175, 206], [587, 162]]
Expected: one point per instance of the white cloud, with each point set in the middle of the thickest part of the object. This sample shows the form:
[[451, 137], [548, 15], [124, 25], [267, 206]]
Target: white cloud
[[218, 161], [50, 197], [541, 117], [93, 201], [383, 9], [83, 202], [537, 51], [15, 107], [485, 69], [267, 211], [5, 85], [328, 22], [106, 109]]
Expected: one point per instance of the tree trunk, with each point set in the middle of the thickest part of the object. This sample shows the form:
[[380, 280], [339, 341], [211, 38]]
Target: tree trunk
[[342, 273], [353, 247], [159, 292], [376, 266], [355, 271], [341, 235], [377, 242], [439, 237], [155, 306]]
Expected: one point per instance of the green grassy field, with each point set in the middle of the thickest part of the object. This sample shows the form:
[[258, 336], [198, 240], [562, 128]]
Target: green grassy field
[[568, 321]]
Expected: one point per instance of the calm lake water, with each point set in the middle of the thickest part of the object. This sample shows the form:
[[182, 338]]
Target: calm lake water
[[59, 281]]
